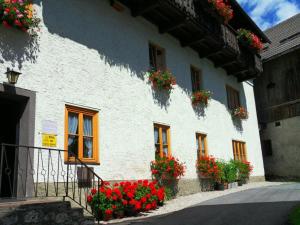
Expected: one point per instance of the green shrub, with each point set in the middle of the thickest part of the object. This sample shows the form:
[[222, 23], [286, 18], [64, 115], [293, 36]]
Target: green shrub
[[294, 218], [228, 171]]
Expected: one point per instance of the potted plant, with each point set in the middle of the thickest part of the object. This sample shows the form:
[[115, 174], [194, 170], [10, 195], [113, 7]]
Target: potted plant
[[221, 183], [167, 171], [244, 170], [162, 80], [240, 113], [19, 14], [208, 172], [230, 171], [250, 40], [223, 8], [201, 97]]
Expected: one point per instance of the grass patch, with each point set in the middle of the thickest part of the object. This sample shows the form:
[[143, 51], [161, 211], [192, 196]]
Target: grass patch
[[294, 218]]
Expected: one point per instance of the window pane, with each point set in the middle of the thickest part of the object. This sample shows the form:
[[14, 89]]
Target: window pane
[[165, 152], [156, 135], [203, 146], [87, 147], [88, 126], [73, 123], [152, 57], [73, 145], [164, 136]]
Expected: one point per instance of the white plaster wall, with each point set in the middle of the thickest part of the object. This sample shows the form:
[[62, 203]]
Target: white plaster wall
[[286, 148], [92, 56]]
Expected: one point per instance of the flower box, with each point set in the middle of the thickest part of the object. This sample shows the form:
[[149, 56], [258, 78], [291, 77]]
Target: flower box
[[162, 80], [201, 97], [250, 40], [223, 9], [18, 14], [232, 185], [240, 113]]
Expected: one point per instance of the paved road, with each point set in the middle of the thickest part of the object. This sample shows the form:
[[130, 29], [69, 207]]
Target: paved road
[[261, 206]]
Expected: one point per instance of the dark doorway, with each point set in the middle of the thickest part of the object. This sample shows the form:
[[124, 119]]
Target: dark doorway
[[11, 111]]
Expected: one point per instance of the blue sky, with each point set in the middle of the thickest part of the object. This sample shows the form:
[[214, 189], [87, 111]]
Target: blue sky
[[267, 13]]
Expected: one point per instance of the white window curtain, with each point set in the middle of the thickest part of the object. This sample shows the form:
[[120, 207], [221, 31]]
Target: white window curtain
[[156, 136], [88, 132], [72, 126]]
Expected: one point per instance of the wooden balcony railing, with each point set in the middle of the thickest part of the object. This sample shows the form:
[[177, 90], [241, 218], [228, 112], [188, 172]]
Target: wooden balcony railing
[[196, 25]]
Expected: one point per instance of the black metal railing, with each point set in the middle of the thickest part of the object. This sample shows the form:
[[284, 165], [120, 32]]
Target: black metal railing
[[31, 172]]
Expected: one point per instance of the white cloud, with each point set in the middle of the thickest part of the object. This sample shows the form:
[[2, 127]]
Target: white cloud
[[267, 13]]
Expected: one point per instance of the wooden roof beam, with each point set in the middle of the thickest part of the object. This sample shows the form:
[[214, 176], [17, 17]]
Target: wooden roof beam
[[187, 43], [144, 8], [173, 26]]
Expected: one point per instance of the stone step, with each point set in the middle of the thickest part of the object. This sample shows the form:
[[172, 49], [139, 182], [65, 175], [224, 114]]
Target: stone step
[[42, 213]]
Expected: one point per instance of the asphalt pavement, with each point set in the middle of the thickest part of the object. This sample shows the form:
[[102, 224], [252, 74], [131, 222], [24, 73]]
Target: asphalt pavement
[[261, 206]]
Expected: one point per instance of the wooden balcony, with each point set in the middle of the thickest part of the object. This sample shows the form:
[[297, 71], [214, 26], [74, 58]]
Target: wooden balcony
[[194, 24]]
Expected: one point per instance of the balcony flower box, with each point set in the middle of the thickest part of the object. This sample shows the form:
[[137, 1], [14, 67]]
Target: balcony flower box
[[223, 9], [201, 97], [250, 40], [240, 113], [162, 80], [18, 14]]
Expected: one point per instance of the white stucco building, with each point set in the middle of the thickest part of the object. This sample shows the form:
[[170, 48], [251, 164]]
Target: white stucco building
[[94, 59]]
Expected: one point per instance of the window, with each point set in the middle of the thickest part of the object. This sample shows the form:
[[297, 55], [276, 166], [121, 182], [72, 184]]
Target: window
[[267, 148], [239, 150], [196, 79], [162, 141], [201, 145], [157, 56], [233, 98], [81, 134]]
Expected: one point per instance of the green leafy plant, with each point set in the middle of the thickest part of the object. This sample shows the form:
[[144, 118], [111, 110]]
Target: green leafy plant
[[162, 80], [230, 171], [244, 169], [167, 169], [201, 97], [294, 217], [19, 14], [207, 167], [250, 39]]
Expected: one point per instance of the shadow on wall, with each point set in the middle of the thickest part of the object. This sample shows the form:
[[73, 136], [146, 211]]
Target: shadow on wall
[[17, 47], [115, 38], [92, 25]]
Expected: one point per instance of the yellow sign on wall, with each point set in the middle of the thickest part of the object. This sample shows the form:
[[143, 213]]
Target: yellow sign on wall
[[49, 140]]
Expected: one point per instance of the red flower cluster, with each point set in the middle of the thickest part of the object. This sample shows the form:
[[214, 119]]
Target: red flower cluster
[[208, 167], [223, 8], [240, 113], [249, 168], [163, 80], [201, 97], [140, 196], [18, 14], [167, 169], [250, 39]]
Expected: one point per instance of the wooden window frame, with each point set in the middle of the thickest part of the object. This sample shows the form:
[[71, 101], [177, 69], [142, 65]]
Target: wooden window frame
[[232, 101], [81, 113], [160, 127], [199, 137], [239, 150], [154, 57], [196, 83]]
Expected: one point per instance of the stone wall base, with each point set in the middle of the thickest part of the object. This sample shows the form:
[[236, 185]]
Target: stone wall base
[[254, 179]]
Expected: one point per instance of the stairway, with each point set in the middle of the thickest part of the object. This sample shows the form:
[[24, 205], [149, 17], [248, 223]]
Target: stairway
[[42, 212]]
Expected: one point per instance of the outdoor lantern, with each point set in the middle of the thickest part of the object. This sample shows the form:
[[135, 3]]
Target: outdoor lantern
[[12, 76]]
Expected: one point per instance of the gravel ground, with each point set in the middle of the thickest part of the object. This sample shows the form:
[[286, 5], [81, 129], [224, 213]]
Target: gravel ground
[[192, 200]]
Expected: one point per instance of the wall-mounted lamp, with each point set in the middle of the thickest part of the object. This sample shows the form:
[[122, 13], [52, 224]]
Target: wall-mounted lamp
[[12, 76]]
